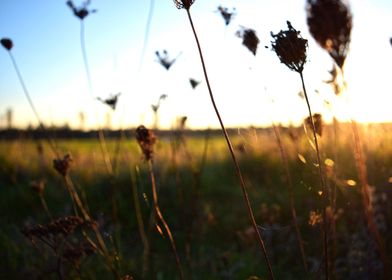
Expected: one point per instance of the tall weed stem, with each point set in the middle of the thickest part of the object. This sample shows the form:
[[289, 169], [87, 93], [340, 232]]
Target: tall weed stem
[[322, 181], [236, 164]]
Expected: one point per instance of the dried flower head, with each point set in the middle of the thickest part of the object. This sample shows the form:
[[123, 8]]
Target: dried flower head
[[38, 186], [330, 23], [164, 59], [249, 39], [111, 101], [146, 139], [63, 165], [61, 226], [318, 123], [7, 43], [226, 14], [183, 4], [80, 12], [155, 107], [290, 47], [194, 83]]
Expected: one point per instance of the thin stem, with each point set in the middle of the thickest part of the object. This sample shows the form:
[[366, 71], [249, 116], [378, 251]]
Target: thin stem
[[237, 167], [161, 218], [322, 181], [140, 223], [45, 206], [147, 32], [101, 135], [31, 103], [283, 156]]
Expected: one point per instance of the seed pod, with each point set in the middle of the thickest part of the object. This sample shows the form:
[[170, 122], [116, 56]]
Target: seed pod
[[7, 43]]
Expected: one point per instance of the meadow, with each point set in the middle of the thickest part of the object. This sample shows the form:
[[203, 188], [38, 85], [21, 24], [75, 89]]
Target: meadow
[[202, 203]]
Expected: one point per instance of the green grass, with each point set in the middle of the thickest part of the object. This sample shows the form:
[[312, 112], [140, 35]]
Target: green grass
[[208, 220]]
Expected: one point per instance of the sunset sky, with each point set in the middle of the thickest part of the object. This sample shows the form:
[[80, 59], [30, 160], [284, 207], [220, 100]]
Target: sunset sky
[[249, 90]]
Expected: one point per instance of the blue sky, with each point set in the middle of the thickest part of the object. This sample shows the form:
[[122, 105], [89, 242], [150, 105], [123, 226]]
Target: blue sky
[[46, 36]]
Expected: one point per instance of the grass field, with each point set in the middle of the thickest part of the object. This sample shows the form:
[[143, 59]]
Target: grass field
[[201, 200]]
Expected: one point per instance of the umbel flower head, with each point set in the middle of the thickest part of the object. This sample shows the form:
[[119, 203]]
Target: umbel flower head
[[82, 11], [330, 23], [183, 4], [290, 47], [146, 139], [249, 39], [111, 101], [7, 43], [226, 14]]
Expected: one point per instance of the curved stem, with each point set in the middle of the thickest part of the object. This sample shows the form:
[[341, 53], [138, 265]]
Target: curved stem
[[161, 218], [237, 167], [322, 181], [31, 103]]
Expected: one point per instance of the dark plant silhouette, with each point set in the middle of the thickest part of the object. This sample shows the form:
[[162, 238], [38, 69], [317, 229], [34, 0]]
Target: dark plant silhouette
[[249, 39], [147, 139], [318, 123], [226, 14], [291, 50], [111, 101], [82, 11], [194, 83], [165, 60], [330, 23], [155, 108], [186, 4]]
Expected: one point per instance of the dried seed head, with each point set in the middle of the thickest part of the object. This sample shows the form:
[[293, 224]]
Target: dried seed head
[[146, 139], [111, 101], [226, 14], [194, 83], [82, 11], [164, 59], [318, 123], [183, 4], [330, 23], [38, 186], [7, 43], [249, 39], [61, 226], [63, 165], [290, 47]]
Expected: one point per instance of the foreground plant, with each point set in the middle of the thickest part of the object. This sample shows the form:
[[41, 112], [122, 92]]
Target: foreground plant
[[291, 48], [186, 4], [330, 23], [146, 140]]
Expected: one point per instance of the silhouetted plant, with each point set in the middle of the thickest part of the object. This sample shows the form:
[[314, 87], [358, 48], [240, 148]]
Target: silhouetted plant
[[186, 4], [291, 49], [82, 11], [194, 83], [249, 39], [226, 14], [155, 108], [318, 123], [165, 60], [111, 101], [147, 139], [330, 23]]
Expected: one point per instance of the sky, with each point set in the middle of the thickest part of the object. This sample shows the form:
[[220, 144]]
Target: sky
[[249, 90]]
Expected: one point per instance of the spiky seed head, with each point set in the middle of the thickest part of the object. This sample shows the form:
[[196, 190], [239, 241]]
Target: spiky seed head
[[7, 43], [330, 23], [146, 139], [290, 47], [249, 39], [63, 165], [183, 4]]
